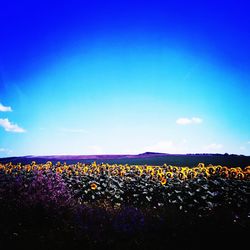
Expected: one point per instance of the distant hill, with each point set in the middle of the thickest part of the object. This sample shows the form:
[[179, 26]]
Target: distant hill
[[150, 158]]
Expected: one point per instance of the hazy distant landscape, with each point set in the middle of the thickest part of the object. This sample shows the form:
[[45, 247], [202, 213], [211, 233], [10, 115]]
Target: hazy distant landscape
[[150, 158]]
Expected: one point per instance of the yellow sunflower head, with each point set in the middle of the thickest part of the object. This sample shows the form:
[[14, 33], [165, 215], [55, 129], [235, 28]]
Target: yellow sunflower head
[[240, 176], [163, 181], [93, 186], [169, 174]]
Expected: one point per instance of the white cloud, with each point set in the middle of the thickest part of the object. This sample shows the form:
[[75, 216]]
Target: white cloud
[[10, 127], [248, 142], [184, 141], [161, 147], [187, 121], [94, 149], [183, 121], [169, 146], [196, 120], [5, 151], [213, 147], [73, 130], [5, 108]]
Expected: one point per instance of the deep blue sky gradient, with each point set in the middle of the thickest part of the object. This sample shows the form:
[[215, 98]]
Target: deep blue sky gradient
[[88, 77]]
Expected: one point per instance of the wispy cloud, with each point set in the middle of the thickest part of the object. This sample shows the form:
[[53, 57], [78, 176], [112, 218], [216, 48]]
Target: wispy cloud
[[174, 146], [10, 127], [95, 149], [213, 147], [73, 130], [5, 151], [162, 147], [187, 121], [5, 108]]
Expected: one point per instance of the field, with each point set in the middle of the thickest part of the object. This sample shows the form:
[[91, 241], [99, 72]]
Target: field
[[120, 206]]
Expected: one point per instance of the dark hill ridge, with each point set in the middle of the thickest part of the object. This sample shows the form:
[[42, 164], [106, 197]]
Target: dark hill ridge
[[150, 158]]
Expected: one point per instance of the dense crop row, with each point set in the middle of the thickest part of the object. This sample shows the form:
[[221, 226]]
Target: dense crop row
[[202, 187], [118, 201]]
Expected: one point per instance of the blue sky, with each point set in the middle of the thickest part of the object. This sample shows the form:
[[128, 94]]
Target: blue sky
[[93, 77]]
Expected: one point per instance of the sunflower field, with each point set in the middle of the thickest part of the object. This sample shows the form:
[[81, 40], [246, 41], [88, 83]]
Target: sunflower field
[[113, 206]]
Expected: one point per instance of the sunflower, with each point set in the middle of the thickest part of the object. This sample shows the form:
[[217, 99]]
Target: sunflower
[[181, 175], [224, 174], [122, 173], [169, 174], [191, 174], [93, 186], [233, 173], [152, 172], [115, 172], [240, 176], [175, 169], [58, 170], [201, 165], [163, 181], [224, 168], [218, 168], [211, 170], [247, 176]]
